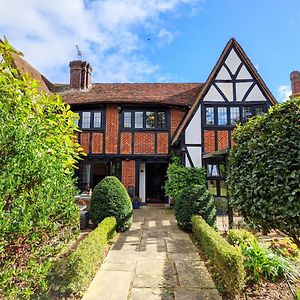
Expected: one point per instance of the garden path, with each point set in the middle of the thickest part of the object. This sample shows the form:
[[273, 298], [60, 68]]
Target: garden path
[[152, 260]]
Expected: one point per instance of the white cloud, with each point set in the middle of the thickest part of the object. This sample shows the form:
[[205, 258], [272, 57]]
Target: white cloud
[[108, 32], [284, 92], [165, 36]]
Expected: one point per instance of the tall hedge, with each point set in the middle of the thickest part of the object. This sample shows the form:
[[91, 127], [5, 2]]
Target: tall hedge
[[37, 155], [110, 199], [179, 177], [195, 200], [264, 172]]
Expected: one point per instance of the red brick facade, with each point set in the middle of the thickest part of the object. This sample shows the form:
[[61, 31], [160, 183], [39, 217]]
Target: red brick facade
[[111, 132], [125, 146], [85, 141], [97, 142], [144, 143], [176, 119], [209, 141], [128, 173], [222, 139], [163, 143]]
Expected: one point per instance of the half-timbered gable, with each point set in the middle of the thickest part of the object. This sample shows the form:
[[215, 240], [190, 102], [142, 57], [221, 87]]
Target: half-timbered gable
[[233, 92]]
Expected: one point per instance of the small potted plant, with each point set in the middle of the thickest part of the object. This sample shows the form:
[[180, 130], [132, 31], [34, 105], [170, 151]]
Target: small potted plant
[[136, 202]]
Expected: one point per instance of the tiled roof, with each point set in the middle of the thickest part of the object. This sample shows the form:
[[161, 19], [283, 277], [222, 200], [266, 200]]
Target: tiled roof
[[183, 94], [24, 67]]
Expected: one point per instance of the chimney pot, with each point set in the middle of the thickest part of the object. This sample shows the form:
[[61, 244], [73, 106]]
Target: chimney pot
[[295, 81], [80, 75]]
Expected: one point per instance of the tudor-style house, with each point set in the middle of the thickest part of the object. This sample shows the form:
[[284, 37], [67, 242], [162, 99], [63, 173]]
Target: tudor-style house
[[130, 130]]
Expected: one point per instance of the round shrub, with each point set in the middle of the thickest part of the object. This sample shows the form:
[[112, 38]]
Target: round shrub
[[194, 200], [240, 236], [110, 199]]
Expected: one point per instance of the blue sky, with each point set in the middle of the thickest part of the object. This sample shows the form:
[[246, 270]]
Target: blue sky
[[155, 40]]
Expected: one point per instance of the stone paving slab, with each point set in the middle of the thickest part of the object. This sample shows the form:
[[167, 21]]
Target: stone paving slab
[[153, 260], [193, 274], [200, 294], [109, 285]]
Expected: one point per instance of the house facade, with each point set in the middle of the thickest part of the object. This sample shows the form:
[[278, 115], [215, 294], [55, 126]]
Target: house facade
[[131, 130]]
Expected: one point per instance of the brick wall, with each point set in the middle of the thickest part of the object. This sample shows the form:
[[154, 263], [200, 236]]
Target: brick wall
[[209, 141], [128, 173], [144, 143], [176, 118], [85, 141], [222, 139], [112, 123], [125, 147], [163, 143], [97, 142]]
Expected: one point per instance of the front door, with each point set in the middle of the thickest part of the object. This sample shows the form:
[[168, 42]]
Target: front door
[[155, 179]]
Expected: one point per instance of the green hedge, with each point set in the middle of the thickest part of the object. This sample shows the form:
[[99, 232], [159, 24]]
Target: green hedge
[[71, 275], [227, 259]]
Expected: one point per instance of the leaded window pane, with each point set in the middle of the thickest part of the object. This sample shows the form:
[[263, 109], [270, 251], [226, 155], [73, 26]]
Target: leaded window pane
[[127, 119], [138, 119], [234, 115], [150, 119], [86, 119], [259, 110], [210, 116], [223, 188], [97, 119], [247, 113], [161, 119], [212, 170], [222, 116]]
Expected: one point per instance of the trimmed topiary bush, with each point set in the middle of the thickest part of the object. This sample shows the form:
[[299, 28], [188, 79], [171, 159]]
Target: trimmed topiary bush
[[194, 200], [227, 259], [110, 199]]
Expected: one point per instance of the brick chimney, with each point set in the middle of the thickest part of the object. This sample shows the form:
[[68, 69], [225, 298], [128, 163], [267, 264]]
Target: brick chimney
[[295, 81], [80, 75]]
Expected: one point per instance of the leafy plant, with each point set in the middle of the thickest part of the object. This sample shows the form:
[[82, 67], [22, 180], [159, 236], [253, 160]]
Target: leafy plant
[[263, 263], [194, 200], [264, 170], [37, 156], [179, 177], [110, 199], [136, 199], [236, 237]]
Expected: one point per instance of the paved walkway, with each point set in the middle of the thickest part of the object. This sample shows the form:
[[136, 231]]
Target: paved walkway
[[152, 260]]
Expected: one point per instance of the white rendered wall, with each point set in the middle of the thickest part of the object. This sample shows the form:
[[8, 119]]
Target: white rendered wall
[[195, 154], [142, 182], [193, 130]]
